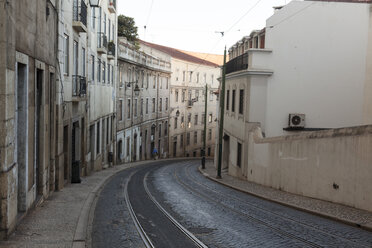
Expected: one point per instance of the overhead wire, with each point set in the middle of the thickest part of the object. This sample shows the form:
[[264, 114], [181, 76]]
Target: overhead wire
[[223, 33]]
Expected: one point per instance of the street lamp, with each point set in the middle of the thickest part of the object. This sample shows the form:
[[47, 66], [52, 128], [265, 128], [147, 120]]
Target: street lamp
[[94, 3]]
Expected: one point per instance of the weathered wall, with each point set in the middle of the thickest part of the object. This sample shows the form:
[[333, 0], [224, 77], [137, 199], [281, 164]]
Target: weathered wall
[[333, 165]]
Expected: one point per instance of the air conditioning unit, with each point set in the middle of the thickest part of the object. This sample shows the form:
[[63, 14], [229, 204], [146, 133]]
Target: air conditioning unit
[[296, 120]]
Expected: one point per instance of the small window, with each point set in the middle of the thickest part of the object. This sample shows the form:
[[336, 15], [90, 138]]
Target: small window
[[227, 99], [175, 122], [241, 101], [195, 137], [239, 155], [153, 105], [128, 106], [233, 101], [176, 95]]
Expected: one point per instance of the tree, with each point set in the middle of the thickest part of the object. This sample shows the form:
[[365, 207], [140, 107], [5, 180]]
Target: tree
[[127, 28]]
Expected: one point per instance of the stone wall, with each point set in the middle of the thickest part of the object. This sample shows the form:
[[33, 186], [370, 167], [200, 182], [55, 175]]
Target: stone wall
[[333, 165]]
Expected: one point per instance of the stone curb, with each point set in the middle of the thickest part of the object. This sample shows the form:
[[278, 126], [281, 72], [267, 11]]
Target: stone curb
[[367, 226], [81, 232]]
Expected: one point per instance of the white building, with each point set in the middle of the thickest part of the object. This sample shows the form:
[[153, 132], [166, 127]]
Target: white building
[[312, 58], [190, 73], [142, 102]]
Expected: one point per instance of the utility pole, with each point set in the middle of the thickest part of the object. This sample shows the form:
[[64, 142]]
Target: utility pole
[[205, 126], [222, 106]]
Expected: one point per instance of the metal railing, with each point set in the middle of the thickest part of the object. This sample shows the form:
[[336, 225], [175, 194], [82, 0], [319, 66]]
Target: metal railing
[[237, 64], [80, 12], [79, 86], [111, 49], [102, 40]]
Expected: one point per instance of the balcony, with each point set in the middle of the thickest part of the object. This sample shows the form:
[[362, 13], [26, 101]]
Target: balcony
[[111, 50], [79, 86], [112, 6], [237, 64], [101, 43], [79, 22]]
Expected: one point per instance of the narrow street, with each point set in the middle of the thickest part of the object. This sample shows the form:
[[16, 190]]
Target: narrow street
[[208, 214]]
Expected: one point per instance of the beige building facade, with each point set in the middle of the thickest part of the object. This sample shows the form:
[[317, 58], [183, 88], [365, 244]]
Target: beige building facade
[[142, 102], [28, 72]]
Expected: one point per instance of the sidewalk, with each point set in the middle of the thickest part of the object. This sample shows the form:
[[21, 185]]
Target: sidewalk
[[348, 215], [62, 219]]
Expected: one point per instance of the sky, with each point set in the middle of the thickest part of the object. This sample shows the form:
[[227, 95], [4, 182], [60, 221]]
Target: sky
[[194, 25]]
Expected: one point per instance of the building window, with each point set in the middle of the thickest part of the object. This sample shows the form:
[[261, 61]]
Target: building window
[[241, 101], [135, 107], [104, 72], [176, 95], [181, 140], [175, 122], [190, 79], [239, 155], [141, 109], [203, 119], [128, 146], [128, 106], [196, 120], [202, 136], [93, 71], [233, 101], [182, 122], [93, 17], [166, 128], [197, 77], [120, 112], [154, 83], [210, 117], [227, 99], [197, 95], [99, 70], [147, 105], [160, 104], [209, 134], [98, 150], [211, 96], [153, 105], [108, 73], [66, 49], [159, 130], [184, 76], [161, 82], [166, 104], [83, 61], [167, 83], [188, 139], [195, 137], [183, 95], [189, 120]]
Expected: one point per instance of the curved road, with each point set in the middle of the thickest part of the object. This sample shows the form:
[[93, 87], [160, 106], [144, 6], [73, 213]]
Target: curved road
[[208, 214]]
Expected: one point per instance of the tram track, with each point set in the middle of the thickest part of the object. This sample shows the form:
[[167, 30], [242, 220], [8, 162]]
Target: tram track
[[209, 196]]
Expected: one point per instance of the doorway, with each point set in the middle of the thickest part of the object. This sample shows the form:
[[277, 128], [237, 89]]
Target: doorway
[[65, 153], [38, 128], [22, 135]]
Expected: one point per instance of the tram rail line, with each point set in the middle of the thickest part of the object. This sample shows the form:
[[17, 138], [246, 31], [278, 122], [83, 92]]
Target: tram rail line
[[192, 178]]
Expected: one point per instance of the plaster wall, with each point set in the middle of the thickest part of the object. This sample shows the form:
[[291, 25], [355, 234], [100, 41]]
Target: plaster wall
[[332, 165], [319, 72]]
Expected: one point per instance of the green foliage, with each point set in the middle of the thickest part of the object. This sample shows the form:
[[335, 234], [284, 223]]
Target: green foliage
[[127, 28]]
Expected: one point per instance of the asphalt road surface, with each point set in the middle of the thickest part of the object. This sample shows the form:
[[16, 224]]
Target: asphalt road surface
[[170, 204]]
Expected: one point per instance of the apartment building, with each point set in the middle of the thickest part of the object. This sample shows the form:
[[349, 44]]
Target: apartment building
[[190, 75], [142, 102], [286, 80], [28, 72]]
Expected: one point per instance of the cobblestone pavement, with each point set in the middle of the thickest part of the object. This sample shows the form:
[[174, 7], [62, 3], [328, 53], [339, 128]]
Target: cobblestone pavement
[[113, 226], [339, 212], [54, 223], [222, 217]]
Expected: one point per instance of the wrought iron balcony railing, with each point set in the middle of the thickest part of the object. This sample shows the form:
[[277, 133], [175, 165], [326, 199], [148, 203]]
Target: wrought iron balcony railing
[[79, 86], [111, 48], [80, 12], [102, 41], [237, 64]]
